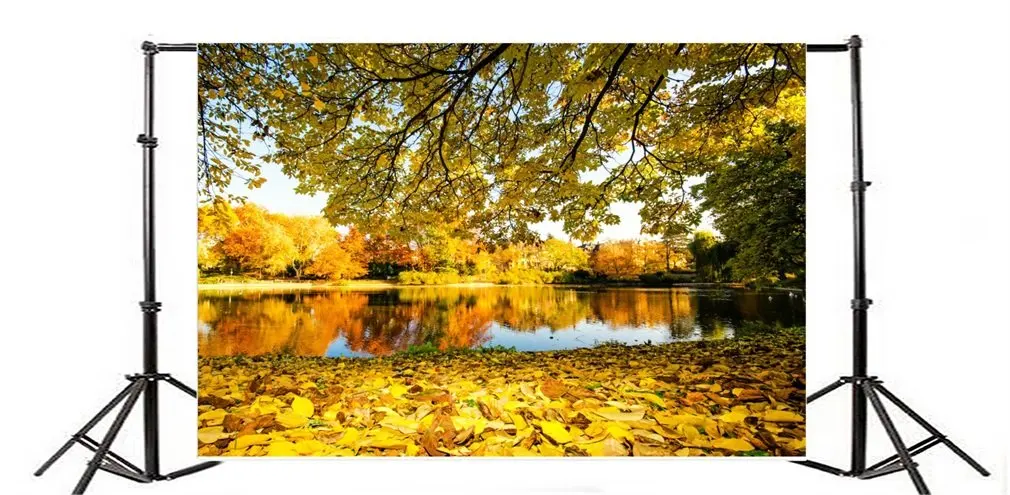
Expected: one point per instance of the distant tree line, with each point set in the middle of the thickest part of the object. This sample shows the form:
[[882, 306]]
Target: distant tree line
[[247, 240]]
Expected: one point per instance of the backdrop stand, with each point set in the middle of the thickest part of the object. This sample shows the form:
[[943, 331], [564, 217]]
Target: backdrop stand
[[866, 387], [142, 384]]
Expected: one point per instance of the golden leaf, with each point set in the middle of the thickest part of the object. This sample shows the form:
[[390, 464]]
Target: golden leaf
[[607, 447], [211, 434], [281, 448], [302, 406], [615, 414], [776, 416], [397, 391], [291, 420], [213, 417], [676, 419], [652, 398], [734, 444], [734, 417], [249, 440], [547, 449], [556, 431], [553, 388]]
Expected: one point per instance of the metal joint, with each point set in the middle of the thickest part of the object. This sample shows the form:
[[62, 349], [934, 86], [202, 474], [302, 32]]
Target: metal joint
[[148, 376], [149, 48], [859, 185], [859, 380], [150, 306], [862, 304], [855, 41], [147, 141]]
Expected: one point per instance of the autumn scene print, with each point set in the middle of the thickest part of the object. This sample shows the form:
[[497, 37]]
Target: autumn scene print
[[453, 250]]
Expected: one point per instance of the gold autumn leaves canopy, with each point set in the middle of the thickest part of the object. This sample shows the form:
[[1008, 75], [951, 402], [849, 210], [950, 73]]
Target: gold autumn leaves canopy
[[490, 138]]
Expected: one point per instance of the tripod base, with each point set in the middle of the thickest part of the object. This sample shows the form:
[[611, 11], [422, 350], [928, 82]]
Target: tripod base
[[107, 460], [902, 459]]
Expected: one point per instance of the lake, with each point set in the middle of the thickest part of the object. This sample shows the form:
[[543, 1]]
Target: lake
[[377, 322]]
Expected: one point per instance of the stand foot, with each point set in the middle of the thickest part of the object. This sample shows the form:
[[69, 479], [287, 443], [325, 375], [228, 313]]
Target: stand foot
[[105, 459], [873, 389], [196, 468]]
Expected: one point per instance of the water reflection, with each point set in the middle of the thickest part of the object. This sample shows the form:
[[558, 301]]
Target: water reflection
[[379, 322]]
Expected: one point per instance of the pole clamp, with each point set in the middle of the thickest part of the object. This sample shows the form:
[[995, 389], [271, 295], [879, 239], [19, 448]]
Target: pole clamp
[[149, 48], [147, 141], [859, 185], [148, 376], [150, 306], [858, 380], [855, 41], [861, 303]]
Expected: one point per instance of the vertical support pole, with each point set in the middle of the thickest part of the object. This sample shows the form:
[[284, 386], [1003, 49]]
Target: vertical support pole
[[859, 302], [149, 305]]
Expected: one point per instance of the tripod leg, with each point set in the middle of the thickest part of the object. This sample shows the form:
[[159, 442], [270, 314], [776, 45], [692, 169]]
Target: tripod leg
[[135, 390], [196, 468], [84, 430], [181, 386], [936, 433], [899, 445], [824, 391]]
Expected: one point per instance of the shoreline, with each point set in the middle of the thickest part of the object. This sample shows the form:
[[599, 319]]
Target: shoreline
[[386, 284]]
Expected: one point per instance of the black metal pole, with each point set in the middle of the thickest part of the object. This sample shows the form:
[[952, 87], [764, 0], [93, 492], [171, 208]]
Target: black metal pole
[[865, 387], [859, 301], [143, 384], [150, 305]]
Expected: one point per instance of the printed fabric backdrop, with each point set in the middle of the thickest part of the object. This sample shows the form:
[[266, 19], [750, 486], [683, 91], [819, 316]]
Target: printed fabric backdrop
[[501, 249]]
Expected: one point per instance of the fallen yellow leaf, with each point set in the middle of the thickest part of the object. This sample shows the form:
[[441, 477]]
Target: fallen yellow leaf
[[302, 406], [734, 444], [776, 416], [615, 414], [556, 431]]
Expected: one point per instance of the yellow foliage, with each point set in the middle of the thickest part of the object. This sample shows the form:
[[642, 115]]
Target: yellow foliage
[[571, 403]]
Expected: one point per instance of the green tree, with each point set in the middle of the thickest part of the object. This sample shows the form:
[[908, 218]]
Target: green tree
[[711, 257], [758, 198]]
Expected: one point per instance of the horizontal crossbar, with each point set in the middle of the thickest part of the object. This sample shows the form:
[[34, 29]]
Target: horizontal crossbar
[[92, 445], [914, 450], [841, 47], [110, 466], [869, 474]]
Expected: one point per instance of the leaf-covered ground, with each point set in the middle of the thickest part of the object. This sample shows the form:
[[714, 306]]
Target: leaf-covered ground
[[742, 396]]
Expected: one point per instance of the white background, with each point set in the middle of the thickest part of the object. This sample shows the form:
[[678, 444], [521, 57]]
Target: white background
[[936, 105]]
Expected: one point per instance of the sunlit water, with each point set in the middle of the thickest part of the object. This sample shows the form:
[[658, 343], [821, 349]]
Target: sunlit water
[[353, 322]]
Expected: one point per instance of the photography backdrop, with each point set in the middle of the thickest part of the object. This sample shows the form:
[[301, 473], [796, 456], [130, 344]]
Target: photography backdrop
[[502, 249], [913, 155]]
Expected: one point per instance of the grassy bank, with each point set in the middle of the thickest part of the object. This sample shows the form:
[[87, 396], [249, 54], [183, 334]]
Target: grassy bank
[[710, 398]]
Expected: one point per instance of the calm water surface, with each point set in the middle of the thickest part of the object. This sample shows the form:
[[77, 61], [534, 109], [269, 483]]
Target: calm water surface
[[352, 322]]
